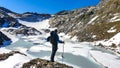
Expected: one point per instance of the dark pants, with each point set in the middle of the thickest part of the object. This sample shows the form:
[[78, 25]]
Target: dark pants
[[54, 49]]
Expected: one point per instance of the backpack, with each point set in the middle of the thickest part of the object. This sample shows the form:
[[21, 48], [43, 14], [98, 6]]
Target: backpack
[[52, 37]]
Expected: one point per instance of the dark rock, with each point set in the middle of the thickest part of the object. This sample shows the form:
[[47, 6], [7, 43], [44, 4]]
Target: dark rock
[[3, 38], [46, 30], [23, 30], [8, 21], [40, 63], [4, 56], [34, 17]]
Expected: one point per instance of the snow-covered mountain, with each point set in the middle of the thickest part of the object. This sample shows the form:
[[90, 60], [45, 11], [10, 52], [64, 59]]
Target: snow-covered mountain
[[28, 32], [10, 22], [6, 12]]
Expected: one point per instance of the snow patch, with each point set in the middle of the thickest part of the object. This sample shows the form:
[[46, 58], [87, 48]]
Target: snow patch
[[111, 30], [115, 18], [115, 39], [74, 38], [92, 19], [12, 15], [38, 25], [106, 59], [94, 36], [13, 61], [4, 50]]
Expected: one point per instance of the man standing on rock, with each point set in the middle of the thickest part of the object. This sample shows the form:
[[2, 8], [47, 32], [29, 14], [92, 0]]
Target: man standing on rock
[[54, 39]]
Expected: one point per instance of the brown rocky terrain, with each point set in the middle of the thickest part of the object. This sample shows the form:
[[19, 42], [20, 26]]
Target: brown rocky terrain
[[90, 23], [40, 63]]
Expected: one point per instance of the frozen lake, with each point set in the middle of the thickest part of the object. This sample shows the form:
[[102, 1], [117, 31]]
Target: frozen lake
[[78, 61]]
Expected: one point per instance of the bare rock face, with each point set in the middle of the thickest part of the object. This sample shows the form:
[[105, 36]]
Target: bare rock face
[[4, 38], [9, 22], [23, 30], [34, 17], [40, 63], [8, 18]]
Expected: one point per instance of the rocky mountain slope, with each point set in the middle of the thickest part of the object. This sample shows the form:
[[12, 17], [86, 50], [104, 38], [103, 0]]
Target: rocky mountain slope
[[7, 19], [74, 22], [91, 23]]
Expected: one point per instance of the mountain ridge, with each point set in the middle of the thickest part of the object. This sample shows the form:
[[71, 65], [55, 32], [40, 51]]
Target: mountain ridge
[[84, 19]]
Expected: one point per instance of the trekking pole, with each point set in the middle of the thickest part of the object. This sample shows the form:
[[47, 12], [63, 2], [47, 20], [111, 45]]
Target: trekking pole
[[63, 53]]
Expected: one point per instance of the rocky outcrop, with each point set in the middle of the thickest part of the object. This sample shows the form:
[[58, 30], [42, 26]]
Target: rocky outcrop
[[4, 38], [9, 22], [4, 56], [23, 30], [34, 17], [40, 63]]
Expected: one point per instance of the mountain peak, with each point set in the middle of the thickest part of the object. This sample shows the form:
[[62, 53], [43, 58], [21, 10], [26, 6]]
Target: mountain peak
[[2, 9]]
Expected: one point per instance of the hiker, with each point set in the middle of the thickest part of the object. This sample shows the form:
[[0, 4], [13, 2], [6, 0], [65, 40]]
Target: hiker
[[54, 39]]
